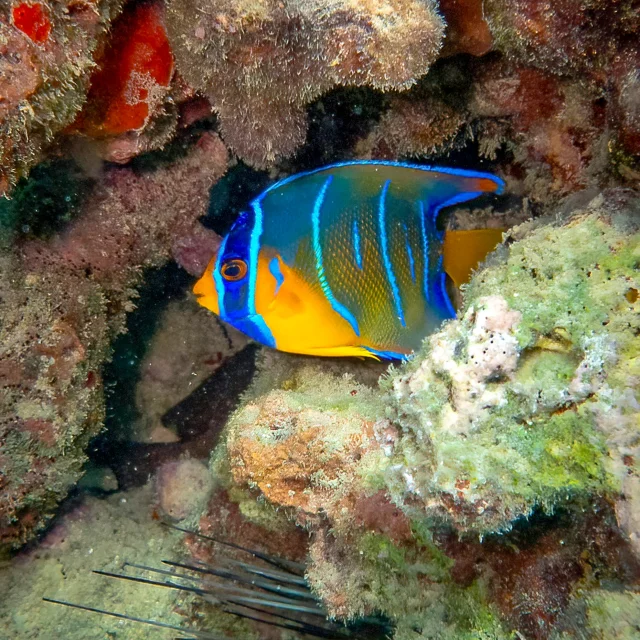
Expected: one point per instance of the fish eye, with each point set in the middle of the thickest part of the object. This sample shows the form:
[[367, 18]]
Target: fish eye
[[234, 269]]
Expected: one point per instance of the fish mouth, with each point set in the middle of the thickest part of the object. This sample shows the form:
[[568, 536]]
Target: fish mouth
[[205, 290]]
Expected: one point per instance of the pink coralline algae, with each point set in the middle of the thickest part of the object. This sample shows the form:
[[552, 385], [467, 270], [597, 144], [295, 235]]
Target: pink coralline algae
[[260, 63], [63, 302]]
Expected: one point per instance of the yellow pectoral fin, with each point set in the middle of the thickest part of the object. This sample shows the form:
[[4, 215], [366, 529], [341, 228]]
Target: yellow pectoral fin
[[464, 250], [286, 304]]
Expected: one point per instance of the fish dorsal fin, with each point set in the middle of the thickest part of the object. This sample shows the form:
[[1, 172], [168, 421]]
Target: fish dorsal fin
[[464, 250]]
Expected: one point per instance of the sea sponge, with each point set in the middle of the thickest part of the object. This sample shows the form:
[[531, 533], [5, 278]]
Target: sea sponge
[[260, 63], [63, 299], [47, 54], [131, 103], [133, 76], [563, 36]]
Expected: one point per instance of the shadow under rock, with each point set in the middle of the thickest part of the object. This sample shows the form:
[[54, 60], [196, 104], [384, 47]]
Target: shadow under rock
[[198, 420]]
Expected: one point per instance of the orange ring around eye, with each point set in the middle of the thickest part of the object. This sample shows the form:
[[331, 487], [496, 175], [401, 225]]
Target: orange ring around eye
[[234, 270]]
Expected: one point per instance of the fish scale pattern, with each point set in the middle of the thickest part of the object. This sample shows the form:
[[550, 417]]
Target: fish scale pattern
[[365, 292]]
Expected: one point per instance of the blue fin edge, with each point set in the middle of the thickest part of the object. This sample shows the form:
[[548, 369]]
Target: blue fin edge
[[467, 173], [387, 355]]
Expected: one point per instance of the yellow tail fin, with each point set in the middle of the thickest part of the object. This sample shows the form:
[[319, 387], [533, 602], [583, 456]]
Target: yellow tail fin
[[464, 250]]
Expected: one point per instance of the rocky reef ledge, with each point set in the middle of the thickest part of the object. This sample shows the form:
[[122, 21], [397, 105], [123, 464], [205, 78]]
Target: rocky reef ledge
[[491, 483]]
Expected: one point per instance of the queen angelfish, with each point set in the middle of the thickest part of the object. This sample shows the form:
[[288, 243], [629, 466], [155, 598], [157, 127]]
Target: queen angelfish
[[347, 260]]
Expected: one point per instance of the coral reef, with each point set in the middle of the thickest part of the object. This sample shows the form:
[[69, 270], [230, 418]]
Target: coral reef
[[554, 127], [526, 404], [487, 488], [63, 301], [260, 63], [47, 53], [565, 37]]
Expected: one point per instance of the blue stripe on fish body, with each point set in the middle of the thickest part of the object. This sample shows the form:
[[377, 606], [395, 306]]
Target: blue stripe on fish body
[[412, 263], [440, 287], [254, 250], [274, 268], [425, 251], [384, 242], [217, 279], [441, 292], [357, 249], [337, 306], [254, 325], [236, 300]]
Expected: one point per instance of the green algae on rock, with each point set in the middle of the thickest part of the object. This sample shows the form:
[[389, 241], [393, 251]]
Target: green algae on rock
[[507, 407]]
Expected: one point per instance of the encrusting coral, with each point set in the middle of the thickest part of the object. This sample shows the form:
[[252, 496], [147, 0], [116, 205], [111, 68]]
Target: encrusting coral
[[527, 401], [260, 63], [47, 54], [63, 300]]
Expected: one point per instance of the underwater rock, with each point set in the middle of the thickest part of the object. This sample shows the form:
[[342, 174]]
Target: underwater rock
[[63, 301], [307, 458], [606, 614], [527, 402], [101, 534], [506, 408], [260, 63], [183, 488], [594, 47], [173, 368], [47, 53]]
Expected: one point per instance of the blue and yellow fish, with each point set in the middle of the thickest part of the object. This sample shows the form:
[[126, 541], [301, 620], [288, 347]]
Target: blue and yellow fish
[[347, 260]]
